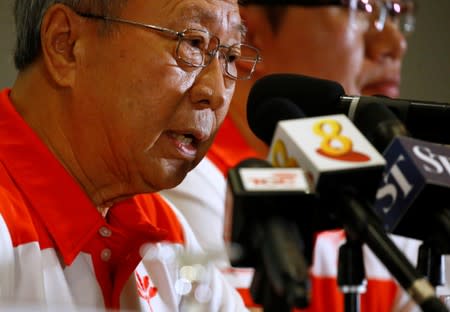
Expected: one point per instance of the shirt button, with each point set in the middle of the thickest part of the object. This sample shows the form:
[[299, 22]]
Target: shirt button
[[104, 231], [105, 255]]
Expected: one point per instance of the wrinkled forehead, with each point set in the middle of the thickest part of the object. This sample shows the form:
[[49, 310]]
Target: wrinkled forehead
[[220, 17]]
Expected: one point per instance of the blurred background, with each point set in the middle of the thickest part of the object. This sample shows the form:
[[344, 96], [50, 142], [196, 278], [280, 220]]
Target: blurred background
[[426, 70]]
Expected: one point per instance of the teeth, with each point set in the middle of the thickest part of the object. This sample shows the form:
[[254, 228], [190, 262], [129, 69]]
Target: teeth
[[183, 139]]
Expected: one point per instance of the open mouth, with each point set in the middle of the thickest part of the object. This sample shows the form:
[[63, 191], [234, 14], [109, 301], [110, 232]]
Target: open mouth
[[184, 138], [186, 143]]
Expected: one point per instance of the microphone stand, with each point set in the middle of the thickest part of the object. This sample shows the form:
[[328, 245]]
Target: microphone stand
[[430, 263], [281, 279], [351, 274], [360, 221], [431, 252]]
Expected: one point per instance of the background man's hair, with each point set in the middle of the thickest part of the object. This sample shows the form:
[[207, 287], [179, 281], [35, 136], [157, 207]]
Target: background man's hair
[[274, 11], [275, 15]]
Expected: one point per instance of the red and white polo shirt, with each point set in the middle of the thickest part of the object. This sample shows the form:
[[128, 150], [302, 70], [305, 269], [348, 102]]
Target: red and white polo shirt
[[57, 250]]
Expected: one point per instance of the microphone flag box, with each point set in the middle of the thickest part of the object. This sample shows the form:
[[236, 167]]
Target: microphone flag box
[[331, 150], [273, 180], [414, 186], [257, 194]]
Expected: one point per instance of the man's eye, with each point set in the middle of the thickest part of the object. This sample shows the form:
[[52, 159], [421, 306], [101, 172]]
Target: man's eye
[[233, 54], [196, 42], [232, 58]]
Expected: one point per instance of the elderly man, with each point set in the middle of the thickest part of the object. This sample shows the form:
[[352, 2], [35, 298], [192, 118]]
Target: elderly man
[[112, 99]]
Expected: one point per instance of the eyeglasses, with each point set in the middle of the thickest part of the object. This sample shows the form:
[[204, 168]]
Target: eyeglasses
[[400, 12], [197, 48]]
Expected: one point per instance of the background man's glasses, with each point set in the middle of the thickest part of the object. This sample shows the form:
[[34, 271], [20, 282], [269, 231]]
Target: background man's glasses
[[197, 48], [399, 12]]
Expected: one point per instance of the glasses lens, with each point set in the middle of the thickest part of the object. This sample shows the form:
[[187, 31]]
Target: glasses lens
[[247, 55], [367, 13], [196, 47], [402, 14], [190, 48], [376, 13]]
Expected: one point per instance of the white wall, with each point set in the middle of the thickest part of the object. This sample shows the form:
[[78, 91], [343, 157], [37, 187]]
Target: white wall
[[426, 71]]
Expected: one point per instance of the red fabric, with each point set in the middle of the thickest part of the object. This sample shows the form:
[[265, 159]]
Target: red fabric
[[229, 147], [325, 294]]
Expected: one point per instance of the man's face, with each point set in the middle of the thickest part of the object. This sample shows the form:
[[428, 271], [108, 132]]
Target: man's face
[[150, 118], [327, 43]]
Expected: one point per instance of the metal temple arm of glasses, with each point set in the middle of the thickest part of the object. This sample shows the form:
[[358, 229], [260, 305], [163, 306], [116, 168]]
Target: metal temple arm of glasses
[[124, 21]]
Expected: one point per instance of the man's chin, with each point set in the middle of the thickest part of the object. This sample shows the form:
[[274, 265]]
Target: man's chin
[[171, 173], [172, 178]]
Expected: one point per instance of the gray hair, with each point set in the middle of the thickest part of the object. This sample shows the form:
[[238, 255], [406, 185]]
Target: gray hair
[[28, 16]]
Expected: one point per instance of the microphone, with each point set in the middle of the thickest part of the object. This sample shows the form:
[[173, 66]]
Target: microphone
[[345, 169], [406, 191], [379, 125], [316, 97], [417, 173], [283, 108], [412, 197], [261, 220], [402, 206], [331, 151]]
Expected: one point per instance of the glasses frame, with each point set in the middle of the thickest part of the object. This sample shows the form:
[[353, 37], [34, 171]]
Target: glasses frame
[[388, 9], [180, 35]]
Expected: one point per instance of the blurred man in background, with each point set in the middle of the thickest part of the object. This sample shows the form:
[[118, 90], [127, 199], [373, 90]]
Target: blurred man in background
[[113, 99]]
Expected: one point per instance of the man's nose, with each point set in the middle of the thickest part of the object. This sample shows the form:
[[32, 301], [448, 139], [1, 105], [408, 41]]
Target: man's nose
[[211, 88], [387, 43]]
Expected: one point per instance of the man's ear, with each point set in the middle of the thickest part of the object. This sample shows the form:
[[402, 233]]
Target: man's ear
[[258, 28], [59, 35]]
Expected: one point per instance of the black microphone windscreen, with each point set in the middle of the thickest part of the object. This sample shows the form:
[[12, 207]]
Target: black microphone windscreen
[[253, 163], [314, 96], [379, 124], [264, 116]]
